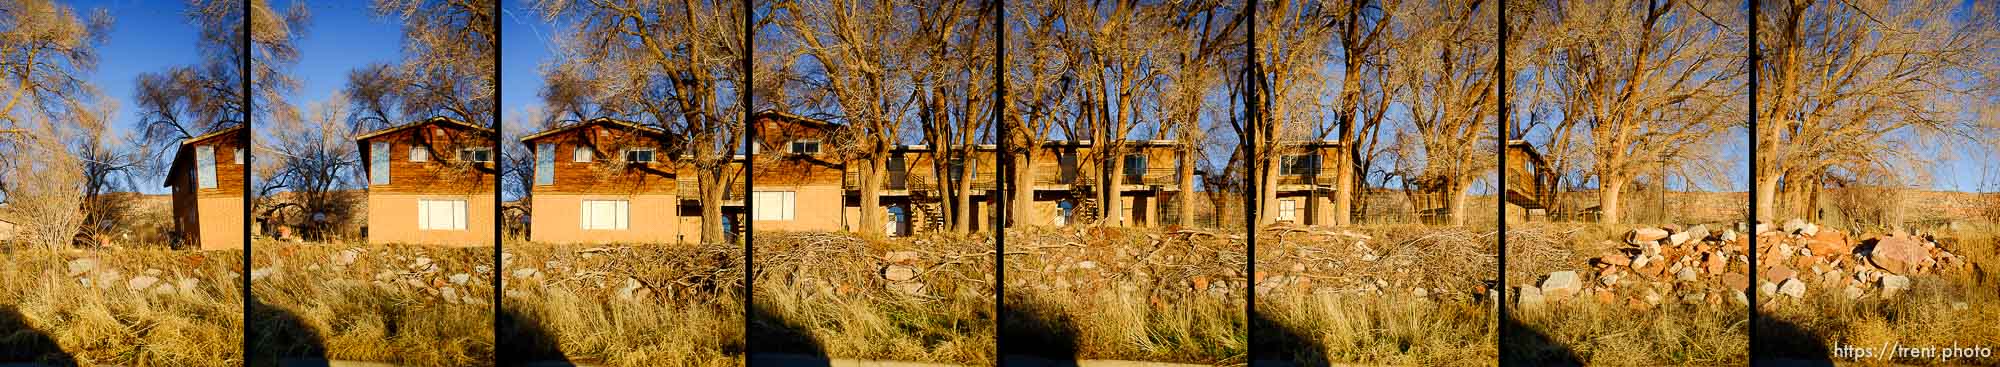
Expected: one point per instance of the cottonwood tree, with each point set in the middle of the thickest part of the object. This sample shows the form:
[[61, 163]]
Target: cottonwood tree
[[673, 64], [1039, 82], [47, 49], [1444, 62], [848, 54], [1117, 69], [446, 69], [185, 101], [274, 38], [951, 62], [1201, 36], [1857, 85], [1288, 79], [313, 157], [1358, 39]]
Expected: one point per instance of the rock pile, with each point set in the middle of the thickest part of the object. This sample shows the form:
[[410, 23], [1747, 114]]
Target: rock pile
[[1415, 261], [1159, 266], [89, 272], [1696, 265]]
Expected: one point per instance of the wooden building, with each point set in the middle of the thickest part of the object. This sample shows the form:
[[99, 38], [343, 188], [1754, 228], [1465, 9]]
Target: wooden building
[[207, 180], [1306, 182], [430, 182], [1068, 176], [603, 181]]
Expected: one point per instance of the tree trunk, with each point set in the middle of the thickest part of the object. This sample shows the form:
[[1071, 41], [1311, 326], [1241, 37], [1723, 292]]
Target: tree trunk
[[1767, 195], [711, 186], [961, 196], [1608, 200], [871, 193], [1184, 179], [1456, 200], [1267, 198], [1114, 206], [1343, 189], [1023, 195]]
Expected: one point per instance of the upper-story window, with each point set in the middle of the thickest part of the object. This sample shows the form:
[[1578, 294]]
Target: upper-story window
[[420, 154], [1298, 165], [581, 154], [479, 154], [1135, 165], [378, 166], [239, 156], [204, 157], [545, 164], [807, 146], [639, 155]]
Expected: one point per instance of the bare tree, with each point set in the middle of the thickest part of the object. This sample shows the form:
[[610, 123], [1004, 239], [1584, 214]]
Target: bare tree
[[1444, 63], [190, 100], [274, 38], [1201, 35], [1851, 85], [314, 159], [1288, 81], [853, 45], [447, 66], [951, 61], [671, 64]]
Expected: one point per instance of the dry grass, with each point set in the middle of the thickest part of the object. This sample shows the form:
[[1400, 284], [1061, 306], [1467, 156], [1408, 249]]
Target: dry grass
[[823, 294], [1393, 294], [1126, 294], [1923, 317], [1594, 333], [572, 303], [383, 307], [51, 317]]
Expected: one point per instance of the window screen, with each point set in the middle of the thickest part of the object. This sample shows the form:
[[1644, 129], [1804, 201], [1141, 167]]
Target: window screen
[[545, 164], [378, 166], [204, 157], [441, 215], [605, 214]]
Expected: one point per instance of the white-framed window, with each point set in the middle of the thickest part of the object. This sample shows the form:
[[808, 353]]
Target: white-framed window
[[581, 154], [1288, 209], [605, 215], [772, 205], [480, 154], [545, 164], [441, 215], [419, 153], [639, 155], [204, 159], [805, 146], [238, 156], [378, 166]]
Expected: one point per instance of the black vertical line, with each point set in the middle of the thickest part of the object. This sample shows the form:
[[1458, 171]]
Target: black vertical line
[[1252, 79], [1751, 294], [499, 212], [749, 133], [1500, 198], [1006, 176], [249, 146]]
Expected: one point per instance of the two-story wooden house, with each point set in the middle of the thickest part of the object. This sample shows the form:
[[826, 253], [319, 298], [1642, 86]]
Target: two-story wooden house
[[1068, 176], [1306, 182], [430, 182], [207, 180], [802, 184], [602, 181]]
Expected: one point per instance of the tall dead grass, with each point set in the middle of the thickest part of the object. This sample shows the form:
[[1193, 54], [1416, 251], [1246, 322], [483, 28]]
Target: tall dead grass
[[824, 295], [380, 308], [1590, 332], [61, 320], [1126, 294], [1941, 310], [689, 312], [1389, 294]]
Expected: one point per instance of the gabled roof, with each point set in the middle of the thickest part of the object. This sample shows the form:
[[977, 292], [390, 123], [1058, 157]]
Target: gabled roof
[[789, 117], [432, 120], [174, 169], [595, 121]]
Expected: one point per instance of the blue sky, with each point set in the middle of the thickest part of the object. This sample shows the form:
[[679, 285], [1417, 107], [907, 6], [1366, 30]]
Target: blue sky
[[145, 36], [342, 36], [525, 44]]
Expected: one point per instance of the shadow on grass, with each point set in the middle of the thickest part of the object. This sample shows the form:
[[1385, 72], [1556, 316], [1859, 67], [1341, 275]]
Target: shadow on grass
[[279, 337], [1528, 346], [1781, 342], [1279, 344], [523, 340], [1036, 333], [21, 343], [779, 341]]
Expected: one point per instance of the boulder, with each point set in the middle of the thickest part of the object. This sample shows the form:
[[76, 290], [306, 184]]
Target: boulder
[[1794, 225], [1639, 235], [1715, 262], [901, 257], [1687, 275], [1698, 232], [1615, 258], [1736, 281], [899, 273], [81, 266], [1530, 297], [1893, 284], [1728, 235], [1793, 288], [140, 283], [1561, 284], [1779, 273], [1677, 239], [1900, 255]]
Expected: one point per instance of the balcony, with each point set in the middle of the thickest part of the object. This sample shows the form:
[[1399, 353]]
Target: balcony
[[1318, 180]]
